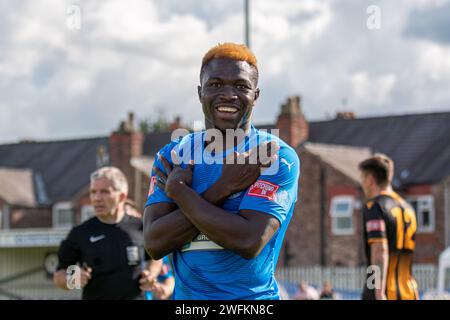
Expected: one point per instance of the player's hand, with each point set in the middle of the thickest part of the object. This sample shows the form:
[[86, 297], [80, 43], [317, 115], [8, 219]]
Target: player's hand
[[176, 175], [380, 296], [241, 170], [158, 291], [266, 153], [85, 276], [161, 292], [147, 281], [161, 177]]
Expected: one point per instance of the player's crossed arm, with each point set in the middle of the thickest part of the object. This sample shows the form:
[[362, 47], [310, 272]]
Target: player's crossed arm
[[166, 228], [245, 233]]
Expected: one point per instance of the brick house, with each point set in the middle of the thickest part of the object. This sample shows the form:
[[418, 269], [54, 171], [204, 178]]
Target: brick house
[[326, 227]]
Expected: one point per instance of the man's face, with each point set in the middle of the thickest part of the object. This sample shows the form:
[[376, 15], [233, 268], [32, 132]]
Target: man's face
[[228, 93], [104, 197]]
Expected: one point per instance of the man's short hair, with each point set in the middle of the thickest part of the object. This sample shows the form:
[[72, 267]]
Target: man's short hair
[[113, 174], [381, 167], [229, 50]]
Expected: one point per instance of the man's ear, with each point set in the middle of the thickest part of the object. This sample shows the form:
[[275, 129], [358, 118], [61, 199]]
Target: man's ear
[[199, 91], [122, 197], [256, 94]]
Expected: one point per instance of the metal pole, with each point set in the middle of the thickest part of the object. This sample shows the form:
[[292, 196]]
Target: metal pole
[[323, 215], [247, 22], [447, 212]]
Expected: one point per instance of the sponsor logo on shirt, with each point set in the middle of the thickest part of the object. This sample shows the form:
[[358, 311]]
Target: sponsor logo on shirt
[[375, 225], [201, 242], [132, 255], [263, 189], [151, 189], [96, 238], [283, 199], [287, 163]]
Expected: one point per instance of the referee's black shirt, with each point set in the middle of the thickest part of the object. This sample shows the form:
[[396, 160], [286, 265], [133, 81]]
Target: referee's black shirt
[[113, 251]]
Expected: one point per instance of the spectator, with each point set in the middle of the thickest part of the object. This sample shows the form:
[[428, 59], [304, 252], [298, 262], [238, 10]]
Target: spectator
[[327, 291], [306, 292]]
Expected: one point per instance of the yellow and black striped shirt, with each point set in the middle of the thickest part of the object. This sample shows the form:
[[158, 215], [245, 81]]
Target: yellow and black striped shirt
[[390, 218]]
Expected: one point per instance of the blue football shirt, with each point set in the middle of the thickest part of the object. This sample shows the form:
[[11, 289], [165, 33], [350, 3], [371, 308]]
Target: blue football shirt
[[204, 269]]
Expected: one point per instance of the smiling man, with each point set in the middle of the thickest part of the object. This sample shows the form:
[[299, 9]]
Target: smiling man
[[216, 203], [107, 247]]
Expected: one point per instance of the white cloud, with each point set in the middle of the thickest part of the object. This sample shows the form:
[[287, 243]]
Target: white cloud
[[144, 55], [373, 90], [434, 62]]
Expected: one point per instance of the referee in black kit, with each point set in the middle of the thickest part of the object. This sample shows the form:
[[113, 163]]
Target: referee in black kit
[[107, 250]]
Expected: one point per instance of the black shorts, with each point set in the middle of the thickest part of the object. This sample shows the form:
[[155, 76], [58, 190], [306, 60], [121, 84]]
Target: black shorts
[[368, 294]]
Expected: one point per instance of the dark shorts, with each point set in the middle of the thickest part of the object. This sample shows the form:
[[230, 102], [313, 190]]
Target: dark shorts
[[368, 294]]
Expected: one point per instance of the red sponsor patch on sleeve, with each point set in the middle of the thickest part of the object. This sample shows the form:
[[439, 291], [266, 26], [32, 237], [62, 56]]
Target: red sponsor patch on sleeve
[[375, 225], [263, 189], [151, 189]]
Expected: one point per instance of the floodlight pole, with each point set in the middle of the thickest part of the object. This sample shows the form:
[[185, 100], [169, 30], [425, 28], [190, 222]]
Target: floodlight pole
[[247, 22]]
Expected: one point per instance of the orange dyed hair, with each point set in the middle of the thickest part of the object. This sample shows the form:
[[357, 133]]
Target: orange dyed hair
[[231, 51]]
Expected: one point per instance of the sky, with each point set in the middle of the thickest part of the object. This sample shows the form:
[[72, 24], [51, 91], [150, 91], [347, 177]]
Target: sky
[[74, 69]]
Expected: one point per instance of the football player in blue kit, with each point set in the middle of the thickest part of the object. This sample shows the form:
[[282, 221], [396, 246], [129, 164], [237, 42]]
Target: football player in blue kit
[[221, 210]]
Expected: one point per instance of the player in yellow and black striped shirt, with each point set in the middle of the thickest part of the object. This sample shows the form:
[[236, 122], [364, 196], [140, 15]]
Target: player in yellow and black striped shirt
[[389, 230]]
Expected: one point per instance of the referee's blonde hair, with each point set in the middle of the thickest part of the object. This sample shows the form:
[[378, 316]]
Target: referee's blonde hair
[[113, 174]]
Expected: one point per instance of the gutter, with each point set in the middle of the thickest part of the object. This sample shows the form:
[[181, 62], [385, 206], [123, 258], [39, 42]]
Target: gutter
[[447, 212]]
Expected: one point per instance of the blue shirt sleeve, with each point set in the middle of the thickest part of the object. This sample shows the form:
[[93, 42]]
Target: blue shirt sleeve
[[156, 194], [275, 191]]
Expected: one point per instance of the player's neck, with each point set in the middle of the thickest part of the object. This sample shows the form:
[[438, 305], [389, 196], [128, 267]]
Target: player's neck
[[380, 190], [229, 138], [114, 217]]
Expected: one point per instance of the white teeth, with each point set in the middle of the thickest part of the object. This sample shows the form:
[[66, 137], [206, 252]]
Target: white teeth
[[227, 109]]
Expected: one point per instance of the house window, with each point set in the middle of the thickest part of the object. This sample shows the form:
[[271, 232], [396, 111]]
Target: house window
[[341, 211], [87, 212], [424, 208], [62, 215]]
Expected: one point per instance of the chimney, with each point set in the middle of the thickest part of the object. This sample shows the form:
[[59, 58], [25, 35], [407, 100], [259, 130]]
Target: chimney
[[291, 122], [346, 115], [124, 144], [176, 124]]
